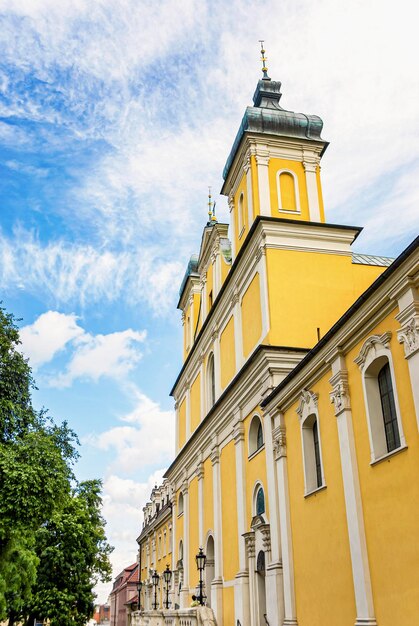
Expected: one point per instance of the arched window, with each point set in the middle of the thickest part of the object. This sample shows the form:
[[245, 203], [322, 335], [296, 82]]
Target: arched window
[[317, 454], [256, 441], [288, 196], [310, 439], [242, 217], [180, 504], [260, 502], [388, 407], [260, 562], [380, 393], [211, 381]]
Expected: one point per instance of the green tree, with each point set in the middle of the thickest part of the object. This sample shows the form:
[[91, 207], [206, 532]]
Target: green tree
[[36, 495], [73, 556]]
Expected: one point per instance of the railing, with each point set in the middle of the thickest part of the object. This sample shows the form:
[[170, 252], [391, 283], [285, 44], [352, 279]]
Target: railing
[[180, 617]]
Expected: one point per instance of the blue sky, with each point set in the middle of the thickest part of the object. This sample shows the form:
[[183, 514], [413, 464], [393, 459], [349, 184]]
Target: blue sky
[[114, 118]]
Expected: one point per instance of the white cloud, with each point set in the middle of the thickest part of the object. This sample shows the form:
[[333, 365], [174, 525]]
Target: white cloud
[[147, 441], [48, 335], [123, 500], [113, 355]]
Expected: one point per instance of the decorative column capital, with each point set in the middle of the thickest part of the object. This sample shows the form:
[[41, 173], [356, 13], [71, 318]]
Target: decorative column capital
[[262, 159], [249, 540], [238, 432], [215, 455], [339, 396], [200, 471], [230, 202], [246, 164], [408, 335], [310, 166], [280, 442]]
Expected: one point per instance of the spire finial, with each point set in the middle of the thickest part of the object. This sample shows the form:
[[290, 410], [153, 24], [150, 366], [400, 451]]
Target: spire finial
[[211, 208], [263, 59]]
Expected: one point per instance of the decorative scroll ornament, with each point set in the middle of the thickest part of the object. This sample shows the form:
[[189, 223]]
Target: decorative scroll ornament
[[280, 442], [409, 336], [308, 403], [339, 397], [249, 539], [371, 348]]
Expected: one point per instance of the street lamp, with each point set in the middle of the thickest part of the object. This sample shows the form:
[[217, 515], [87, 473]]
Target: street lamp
[[167, 575], [200, 563], [155, 578]]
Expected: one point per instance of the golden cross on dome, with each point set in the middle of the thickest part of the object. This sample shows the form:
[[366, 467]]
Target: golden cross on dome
[[263, 59]]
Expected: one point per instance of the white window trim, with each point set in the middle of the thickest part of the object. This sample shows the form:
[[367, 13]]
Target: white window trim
[[258, 485], [252, 452], [209, 382], [374, 348], [240, 215], [296, 189], [308, 407]]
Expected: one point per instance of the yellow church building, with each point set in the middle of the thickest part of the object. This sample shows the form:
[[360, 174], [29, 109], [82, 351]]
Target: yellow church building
[[297, 405]]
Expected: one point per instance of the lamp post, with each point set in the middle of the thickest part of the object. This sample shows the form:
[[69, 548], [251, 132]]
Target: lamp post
[[155, 578], [200, 563], [167, 575]]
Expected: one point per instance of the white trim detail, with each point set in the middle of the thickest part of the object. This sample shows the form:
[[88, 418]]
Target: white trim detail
[[374, 354], [308, 413], [262, 161], [296, 191], [353, 502]]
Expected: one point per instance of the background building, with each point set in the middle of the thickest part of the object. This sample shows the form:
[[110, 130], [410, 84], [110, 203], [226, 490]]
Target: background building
[[297, 405], [123, 593]]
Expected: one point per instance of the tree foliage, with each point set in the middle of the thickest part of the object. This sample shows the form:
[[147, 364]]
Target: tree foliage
[[53, 547]]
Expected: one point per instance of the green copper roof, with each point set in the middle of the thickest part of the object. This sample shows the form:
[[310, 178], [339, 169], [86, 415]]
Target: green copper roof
[[268, 117]]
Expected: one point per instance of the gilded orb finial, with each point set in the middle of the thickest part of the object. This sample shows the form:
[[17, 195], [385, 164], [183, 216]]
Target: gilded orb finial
[[263, 59]]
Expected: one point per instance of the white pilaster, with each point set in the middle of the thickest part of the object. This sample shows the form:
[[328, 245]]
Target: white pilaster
[[202, 389], [262, 160], [200, 475], [354, 513], [238, 337], [192, 320], [188, 412], [250, 550], [177, 426], [290, 614], [310, 169], [241, 587], [248, 173], [217, 583], [217, 364], [217, 269], [184, 594], [203, 298], [408, 335], [274, 582], [263, 281]]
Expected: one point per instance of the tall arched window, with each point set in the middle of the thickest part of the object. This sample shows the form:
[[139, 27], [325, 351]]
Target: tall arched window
[[260, 502], [180, 504], [385, 427], [255, 435], [388, 407], [317, 454], [242, 216], [288, 195], [211, 381]]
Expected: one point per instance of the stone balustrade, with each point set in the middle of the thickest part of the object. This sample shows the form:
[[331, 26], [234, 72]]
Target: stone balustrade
[[195, 616]]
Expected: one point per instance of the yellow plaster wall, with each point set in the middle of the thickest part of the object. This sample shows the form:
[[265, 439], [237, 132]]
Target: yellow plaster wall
[[322, 561], [255, 470], [196, 402], [309, 290], [193, 531], [197, 315], [251, 316], [240, 236], [227, 353], [390, 495], [276, 165], [228, 605], [186, 342], [182, 423], [229, 511], [208, 498]]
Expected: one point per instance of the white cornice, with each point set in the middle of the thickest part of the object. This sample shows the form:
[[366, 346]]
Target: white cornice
[[269, 367]]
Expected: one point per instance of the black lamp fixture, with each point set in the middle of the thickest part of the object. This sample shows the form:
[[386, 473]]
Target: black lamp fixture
[[201, 559], [167, 576], [155, 578]]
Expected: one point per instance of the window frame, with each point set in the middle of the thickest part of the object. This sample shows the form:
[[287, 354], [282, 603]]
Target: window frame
[[210, 376], [296, 190], [254, 448], [313, 466], [375, 353]]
